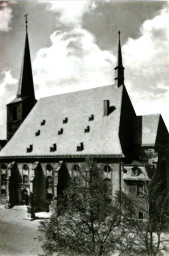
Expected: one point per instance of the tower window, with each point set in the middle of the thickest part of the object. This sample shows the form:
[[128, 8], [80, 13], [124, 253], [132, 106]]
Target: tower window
[[49, 182], [14, 114], [107, 168], [25, 179], [3, 179]]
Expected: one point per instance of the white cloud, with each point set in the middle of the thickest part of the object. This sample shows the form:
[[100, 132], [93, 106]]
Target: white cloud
[[72, 62], [70, 12], [7, 91], [147, 59], [5, 17]]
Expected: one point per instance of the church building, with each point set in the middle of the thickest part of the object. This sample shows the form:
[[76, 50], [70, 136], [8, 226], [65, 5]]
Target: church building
[[50, 139]]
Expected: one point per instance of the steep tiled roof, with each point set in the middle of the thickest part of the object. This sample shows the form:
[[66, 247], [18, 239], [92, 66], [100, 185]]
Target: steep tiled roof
[[101, 138], [147, 129]]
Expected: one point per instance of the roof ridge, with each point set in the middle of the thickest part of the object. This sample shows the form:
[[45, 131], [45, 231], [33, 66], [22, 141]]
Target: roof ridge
[[88, 89]]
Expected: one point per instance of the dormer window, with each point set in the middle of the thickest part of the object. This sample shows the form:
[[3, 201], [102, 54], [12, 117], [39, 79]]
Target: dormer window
[[87, 129], [91, 118], [53, 148], [14, 114], [80, 146], [30, 149], [43, 122], [60, 131], [37, 133], [135, 171], [65, 120]]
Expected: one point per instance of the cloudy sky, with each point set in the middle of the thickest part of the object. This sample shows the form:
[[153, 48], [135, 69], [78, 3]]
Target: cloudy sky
[[74, 46]]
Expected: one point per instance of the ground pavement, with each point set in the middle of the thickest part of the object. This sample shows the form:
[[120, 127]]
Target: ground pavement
[[17, 235]]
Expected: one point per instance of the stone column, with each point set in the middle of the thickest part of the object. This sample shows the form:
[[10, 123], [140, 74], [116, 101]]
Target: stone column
[[9, 169], [55, 185], [30, 208]]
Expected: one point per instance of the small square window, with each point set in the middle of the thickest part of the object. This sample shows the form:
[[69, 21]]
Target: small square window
[[60, 131], [91, 118], [43, 122], [65, 120]]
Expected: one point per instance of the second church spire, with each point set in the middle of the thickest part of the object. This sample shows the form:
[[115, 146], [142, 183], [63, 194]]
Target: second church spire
[[119, 69]]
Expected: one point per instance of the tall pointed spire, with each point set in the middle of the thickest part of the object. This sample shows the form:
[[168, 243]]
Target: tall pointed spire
[[119, 69], [26, 87]]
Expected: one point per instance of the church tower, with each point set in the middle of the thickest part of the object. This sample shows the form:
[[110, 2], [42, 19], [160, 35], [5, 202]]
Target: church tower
[[19, 108], [119, 70]]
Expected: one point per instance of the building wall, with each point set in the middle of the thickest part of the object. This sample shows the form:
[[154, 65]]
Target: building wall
[[38, 174]]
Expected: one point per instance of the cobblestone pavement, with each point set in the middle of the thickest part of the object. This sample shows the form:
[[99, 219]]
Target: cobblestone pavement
[[17, 235]]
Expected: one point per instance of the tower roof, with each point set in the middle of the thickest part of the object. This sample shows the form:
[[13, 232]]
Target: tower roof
[[26, 87], [119, 60]]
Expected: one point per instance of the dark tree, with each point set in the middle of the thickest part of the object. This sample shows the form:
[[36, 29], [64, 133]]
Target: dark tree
[[86, 220]]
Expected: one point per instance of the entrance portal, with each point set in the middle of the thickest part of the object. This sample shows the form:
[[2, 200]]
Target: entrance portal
[[25, 198]]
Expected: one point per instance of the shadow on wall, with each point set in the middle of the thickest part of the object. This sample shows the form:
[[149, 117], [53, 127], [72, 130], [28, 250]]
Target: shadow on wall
[[40, 201], [14, 180]]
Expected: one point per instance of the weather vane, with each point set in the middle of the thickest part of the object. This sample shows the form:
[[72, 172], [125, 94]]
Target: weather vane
[[26, 20]]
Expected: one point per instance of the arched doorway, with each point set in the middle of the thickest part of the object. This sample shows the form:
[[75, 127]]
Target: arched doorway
[[25, 198]]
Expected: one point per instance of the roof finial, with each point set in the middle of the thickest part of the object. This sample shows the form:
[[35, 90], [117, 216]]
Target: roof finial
[[26, 21]]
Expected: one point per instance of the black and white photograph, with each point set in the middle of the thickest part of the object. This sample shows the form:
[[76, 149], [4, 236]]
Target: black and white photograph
[[84, 128]]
